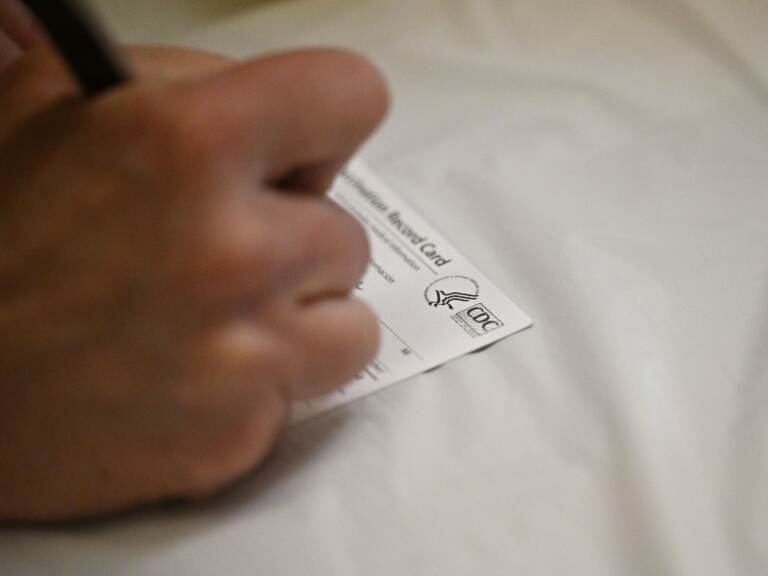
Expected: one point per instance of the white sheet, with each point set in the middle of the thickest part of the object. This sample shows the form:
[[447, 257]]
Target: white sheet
[[604, 163]]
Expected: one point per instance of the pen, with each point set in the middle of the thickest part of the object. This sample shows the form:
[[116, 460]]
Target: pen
[[82, 44]]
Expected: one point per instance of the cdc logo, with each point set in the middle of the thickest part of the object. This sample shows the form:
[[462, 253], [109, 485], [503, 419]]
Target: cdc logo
[[477, 320], [452, 291]]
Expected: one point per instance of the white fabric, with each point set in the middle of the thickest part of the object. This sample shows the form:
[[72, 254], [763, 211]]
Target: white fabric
[[604, 162]]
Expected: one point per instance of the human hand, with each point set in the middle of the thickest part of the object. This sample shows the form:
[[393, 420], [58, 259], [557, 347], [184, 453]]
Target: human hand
[[172, 275]]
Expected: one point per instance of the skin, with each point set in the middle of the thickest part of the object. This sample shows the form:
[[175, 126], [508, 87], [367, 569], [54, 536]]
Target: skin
[[172, 276]]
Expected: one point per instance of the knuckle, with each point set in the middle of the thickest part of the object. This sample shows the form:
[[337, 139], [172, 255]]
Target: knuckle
[[357, 243], [341, 341], [210, 474], [362, 249], [201, 480], [363, 76], [149, 111], [334, 233], [176, 127], [238, 253], [240, 420], [355, 343], [368, 334], [246, 444], [229, 255], [357, 338]]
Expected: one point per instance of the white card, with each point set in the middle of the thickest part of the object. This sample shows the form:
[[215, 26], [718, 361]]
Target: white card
[[432, 304]]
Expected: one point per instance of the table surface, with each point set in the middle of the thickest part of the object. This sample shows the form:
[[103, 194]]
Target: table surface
[[604, 162]]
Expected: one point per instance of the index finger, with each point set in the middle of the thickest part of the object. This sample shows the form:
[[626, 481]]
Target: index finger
[[300, 115]]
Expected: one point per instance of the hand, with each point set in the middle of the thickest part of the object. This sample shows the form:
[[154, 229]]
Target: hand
[[172, 276]]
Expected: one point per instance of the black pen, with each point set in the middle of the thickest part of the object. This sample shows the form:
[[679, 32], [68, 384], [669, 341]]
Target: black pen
[[84, 47]]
